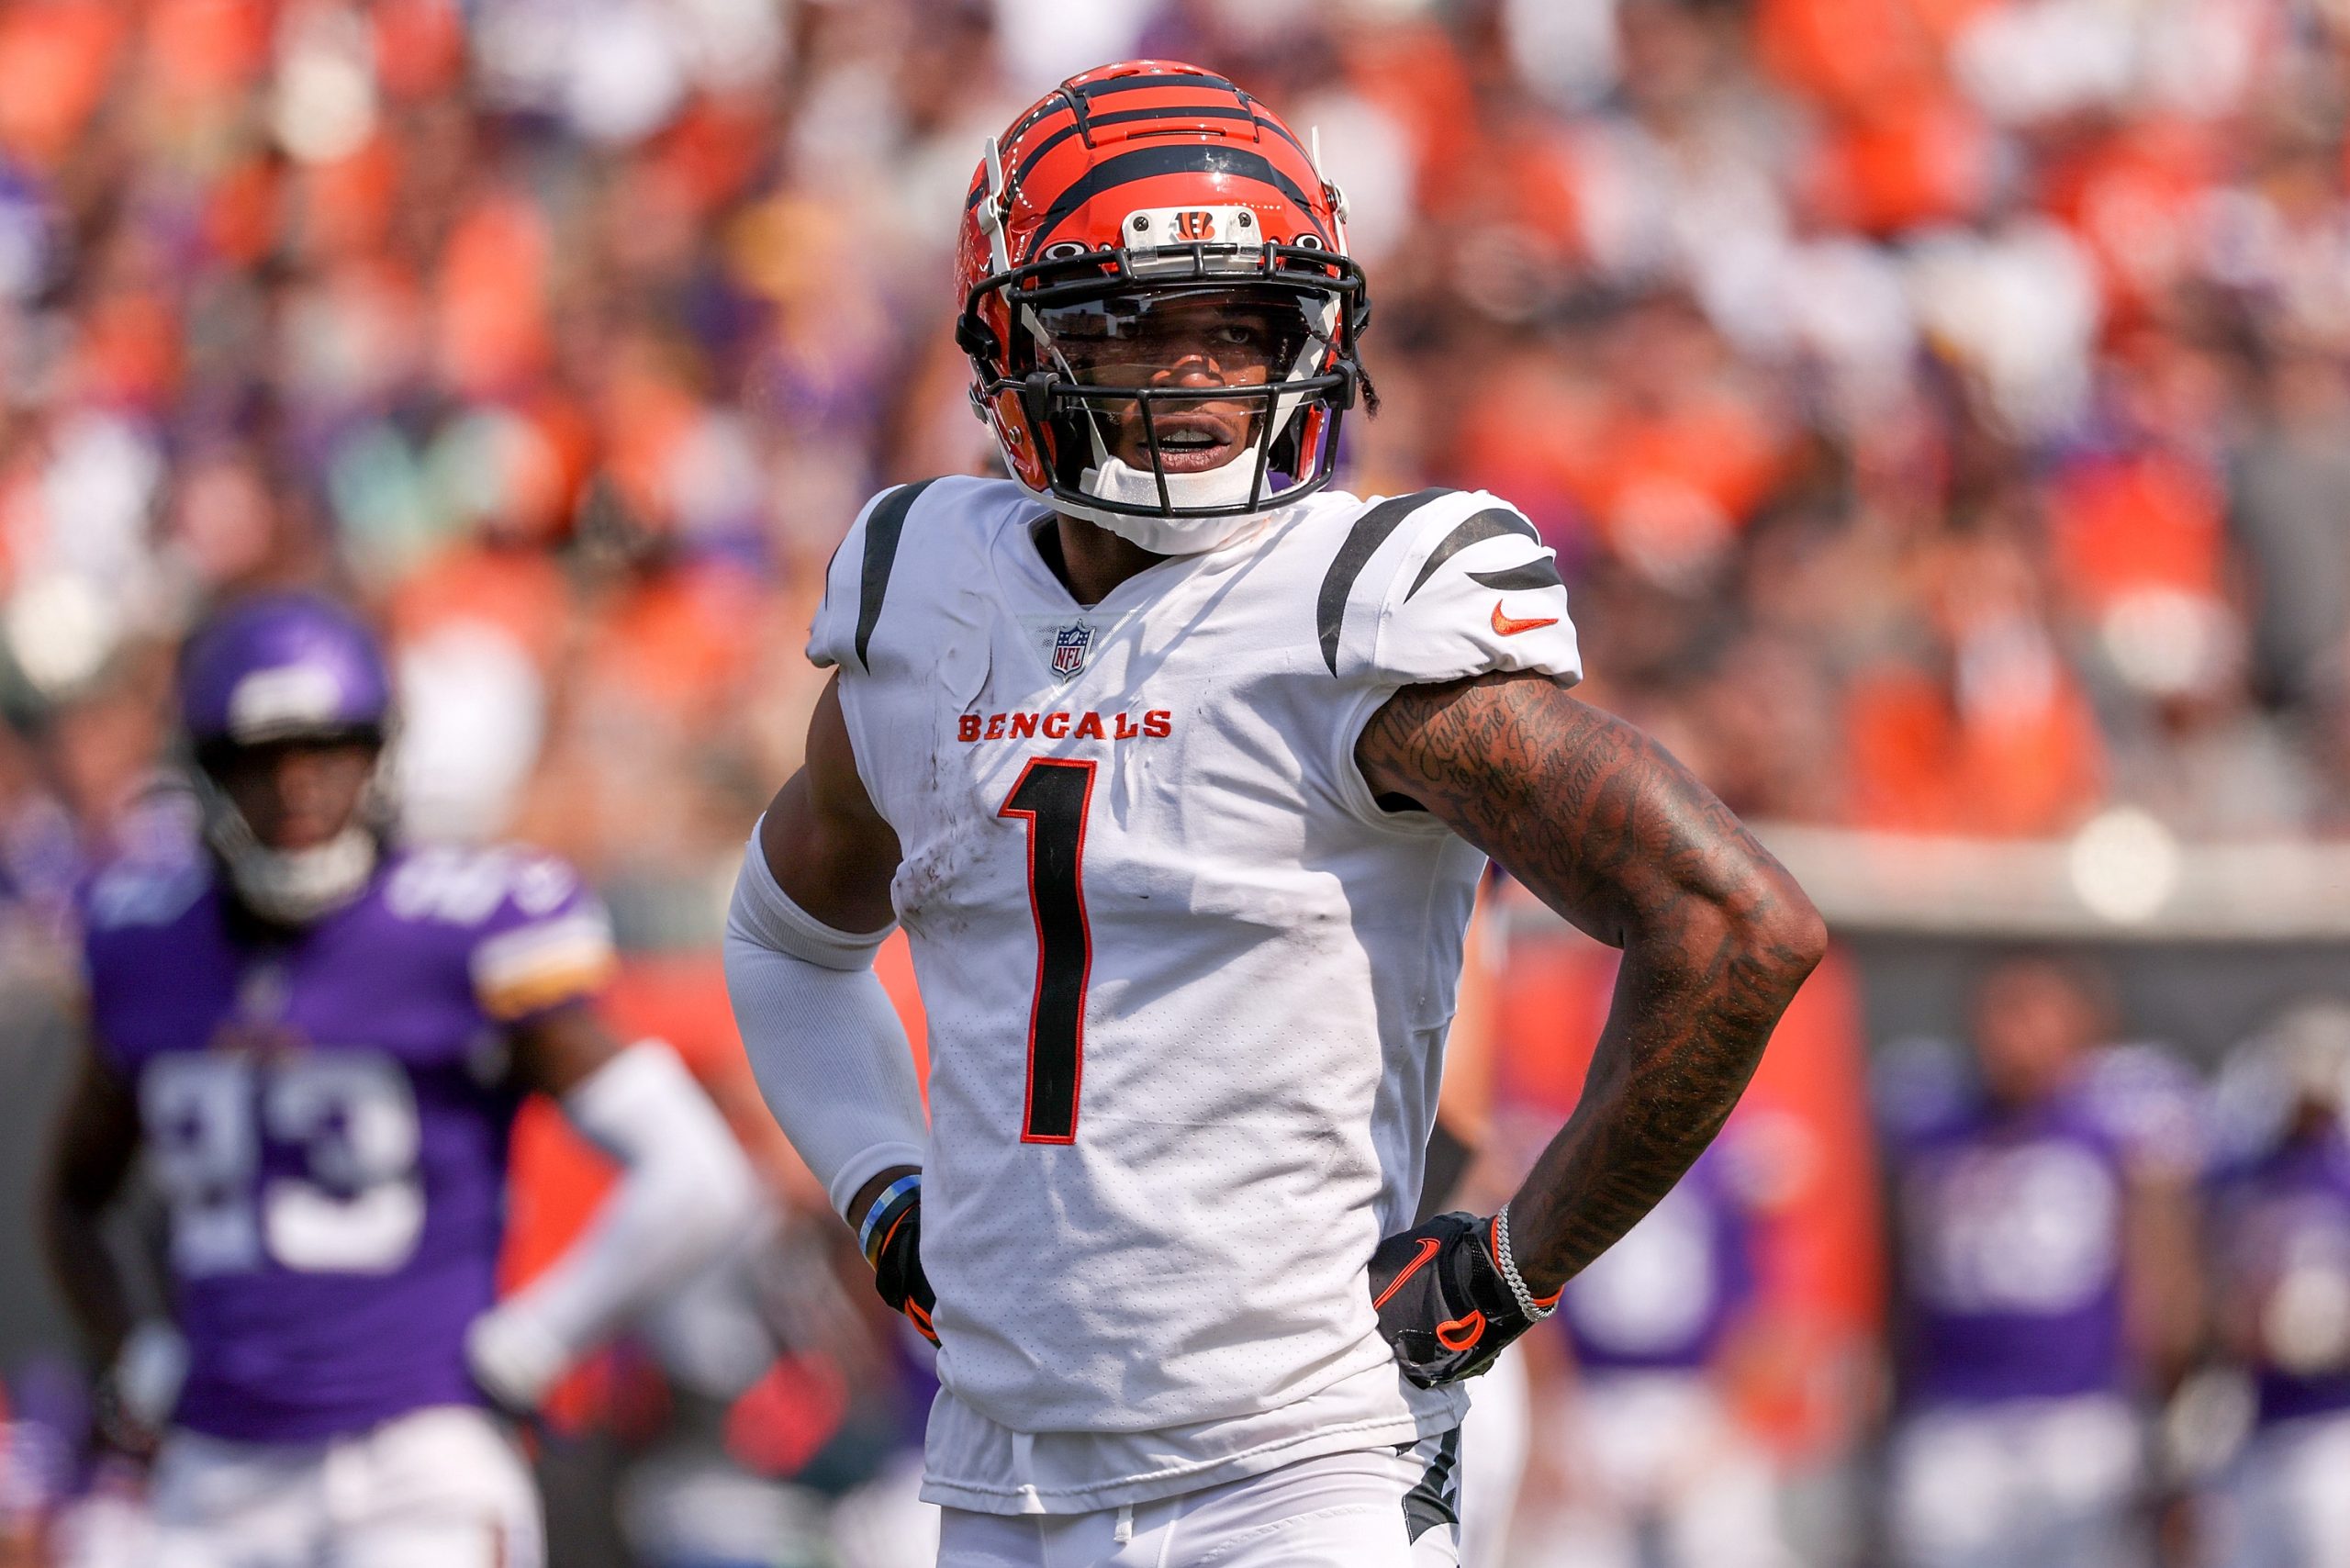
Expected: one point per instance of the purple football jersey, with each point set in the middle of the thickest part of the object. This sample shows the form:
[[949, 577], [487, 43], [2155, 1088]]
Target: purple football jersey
[[326, 1116], [2011, 1222], [1663, 1296], [2283, 1223]]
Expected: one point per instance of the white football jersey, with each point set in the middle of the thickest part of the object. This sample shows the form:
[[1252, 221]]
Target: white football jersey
[[1187, 983]]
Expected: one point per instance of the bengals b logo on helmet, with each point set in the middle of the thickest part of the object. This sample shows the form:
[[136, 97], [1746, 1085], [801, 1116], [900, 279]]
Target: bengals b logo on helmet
[[1140, 180]]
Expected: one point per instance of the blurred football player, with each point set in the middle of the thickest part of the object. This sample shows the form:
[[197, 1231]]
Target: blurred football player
[[2046, 1282], [2281, 1235], [1650, 1444], [1180, 767], [319, 1041]]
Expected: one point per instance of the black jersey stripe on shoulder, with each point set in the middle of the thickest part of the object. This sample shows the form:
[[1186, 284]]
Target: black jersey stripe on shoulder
[[1370, 531], [882, 530], [1491, 523], [1539, 573]]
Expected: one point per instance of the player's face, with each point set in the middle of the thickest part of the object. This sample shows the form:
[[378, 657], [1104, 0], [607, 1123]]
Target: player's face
[[296, 795], [2031, 1026], [1198, 344]]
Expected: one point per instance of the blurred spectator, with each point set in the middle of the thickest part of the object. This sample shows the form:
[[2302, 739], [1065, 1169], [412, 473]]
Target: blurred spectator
[[2000, 341], [2045, 1279], [2290, 478], [1986, 730]]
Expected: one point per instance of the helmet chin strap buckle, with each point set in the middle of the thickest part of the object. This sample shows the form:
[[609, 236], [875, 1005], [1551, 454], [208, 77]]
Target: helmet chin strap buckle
[[1036, 396]]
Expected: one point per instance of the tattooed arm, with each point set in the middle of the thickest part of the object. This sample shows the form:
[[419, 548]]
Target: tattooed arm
[[1616, 836]]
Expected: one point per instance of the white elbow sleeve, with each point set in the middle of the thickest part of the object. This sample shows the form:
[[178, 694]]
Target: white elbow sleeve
[[831, 1057], [685, 1191]]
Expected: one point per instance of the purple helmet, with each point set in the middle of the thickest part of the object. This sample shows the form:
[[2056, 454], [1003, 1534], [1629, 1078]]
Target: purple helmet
[[285, 667], [282, 667]]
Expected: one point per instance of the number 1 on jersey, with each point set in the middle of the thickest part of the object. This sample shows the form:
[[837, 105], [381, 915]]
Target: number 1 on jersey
[[1054, 795]]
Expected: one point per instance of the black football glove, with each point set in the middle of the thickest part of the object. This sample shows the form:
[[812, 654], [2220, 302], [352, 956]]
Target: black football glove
[[1442, 1302], [895, 1252]]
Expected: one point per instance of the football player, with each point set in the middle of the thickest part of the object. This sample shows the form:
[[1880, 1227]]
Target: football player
[[319, 1041], [1179, 766], [2046, 1278], [1656, 1448], [2281, 1255]]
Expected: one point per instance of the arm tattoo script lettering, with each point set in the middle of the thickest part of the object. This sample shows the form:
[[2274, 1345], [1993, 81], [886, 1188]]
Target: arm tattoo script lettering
[[1610, 831]]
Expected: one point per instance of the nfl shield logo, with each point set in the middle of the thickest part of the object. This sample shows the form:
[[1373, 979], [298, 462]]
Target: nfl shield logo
[[1069, 645]]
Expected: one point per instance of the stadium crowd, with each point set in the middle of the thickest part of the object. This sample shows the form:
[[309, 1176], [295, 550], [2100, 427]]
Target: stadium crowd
[[1939, 406]]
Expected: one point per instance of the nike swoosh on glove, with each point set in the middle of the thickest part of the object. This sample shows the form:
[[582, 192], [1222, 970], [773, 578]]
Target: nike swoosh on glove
[[1443, 1305], [896, 1262]]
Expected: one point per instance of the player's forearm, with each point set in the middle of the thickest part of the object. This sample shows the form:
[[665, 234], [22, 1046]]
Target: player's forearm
[[1610, 831], [90, 1152], [1716, 938], [1711, 961], [1680, 1044], [80, 1263], [2164, 1301], [685, 1194]]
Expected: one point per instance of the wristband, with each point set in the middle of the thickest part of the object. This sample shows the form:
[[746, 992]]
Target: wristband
[[908, 1182], [1534, 1311]]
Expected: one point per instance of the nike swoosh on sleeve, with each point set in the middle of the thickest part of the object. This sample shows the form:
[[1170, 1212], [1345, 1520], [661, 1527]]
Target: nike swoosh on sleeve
[[1510, 625]]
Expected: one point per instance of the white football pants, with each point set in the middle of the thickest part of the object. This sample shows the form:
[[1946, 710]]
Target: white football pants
[[1494, 1444], [2284, 1503], [443, 1486], [1375, 1508], [2019, 1483], [1658, 1452]]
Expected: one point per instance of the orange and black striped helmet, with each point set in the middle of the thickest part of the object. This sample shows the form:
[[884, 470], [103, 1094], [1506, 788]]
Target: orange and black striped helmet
[[1149, 186]]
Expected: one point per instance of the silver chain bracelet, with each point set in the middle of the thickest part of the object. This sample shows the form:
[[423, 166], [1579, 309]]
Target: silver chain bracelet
[[1526, 1303]]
